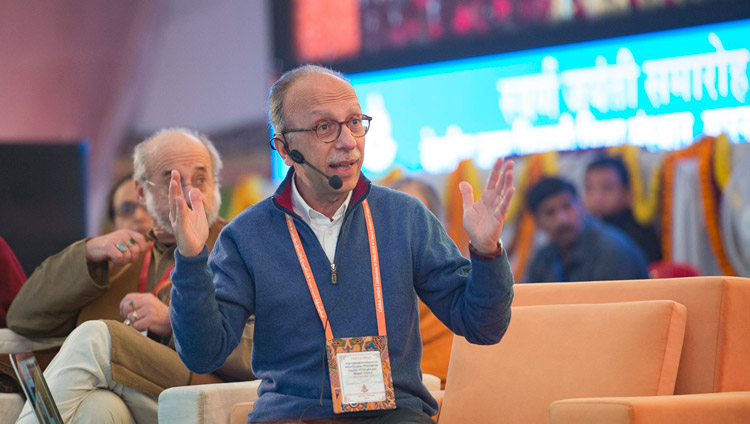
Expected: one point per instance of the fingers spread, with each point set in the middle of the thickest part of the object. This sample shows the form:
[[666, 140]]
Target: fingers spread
[[495, 174]]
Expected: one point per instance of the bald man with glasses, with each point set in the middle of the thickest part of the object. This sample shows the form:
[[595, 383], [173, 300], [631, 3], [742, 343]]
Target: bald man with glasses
[[331, 265]]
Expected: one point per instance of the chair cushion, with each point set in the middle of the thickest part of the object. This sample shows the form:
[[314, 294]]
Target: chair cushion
[[555, 352], [716, 347], [724, 408]]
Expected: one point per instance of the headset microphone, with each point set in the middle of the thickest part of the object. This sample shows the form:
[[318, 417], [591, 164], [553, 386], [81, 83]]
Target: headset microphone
[[334, 181]]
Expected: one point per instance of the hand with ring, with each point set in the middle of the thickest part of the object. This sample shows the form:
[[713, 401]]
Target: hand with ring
[[121, 247], [144, 311]]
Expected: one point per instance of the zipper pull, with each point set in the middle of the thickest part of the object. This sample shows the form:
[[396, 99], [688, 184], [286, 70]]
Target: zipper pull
[[334, 275]]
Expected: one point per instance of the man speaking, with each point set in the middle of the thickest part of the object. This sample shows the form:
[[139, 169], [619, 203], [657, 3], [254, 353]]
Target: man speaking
[[331, 266]]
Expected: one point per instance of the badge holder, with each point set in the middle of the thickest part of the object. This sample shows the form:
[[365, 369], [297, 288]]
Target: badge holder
[[360, 372]]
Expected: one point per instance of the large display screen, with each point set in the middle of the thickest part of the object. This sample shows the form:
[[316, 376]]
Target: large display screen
[[657, 90], [363, 35]]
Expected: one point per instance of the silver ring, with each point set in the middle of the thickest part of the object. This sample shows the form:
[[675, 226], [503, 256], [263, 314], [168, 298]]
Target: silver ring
[[122, 247], [135, 316]]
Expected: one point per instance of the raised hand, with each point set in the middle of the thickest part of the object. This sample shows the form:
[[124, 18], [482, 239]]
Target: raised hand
[[121, 247], [189, 222], [144, 311], [485, 218]]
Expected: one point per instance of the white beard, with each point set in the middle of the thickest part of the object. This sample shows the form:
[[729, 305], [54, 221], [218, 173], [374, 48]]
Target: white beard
[[162, 219]]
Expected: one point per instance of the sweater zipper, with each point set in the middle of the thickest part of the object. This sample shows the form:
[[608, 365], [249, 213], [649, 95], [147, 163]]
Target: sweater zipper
[[334, 274]]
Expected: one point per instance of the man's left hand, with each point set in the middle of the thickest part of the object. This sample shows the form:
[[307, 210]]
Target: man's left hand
[[146, 312], [485, 218]]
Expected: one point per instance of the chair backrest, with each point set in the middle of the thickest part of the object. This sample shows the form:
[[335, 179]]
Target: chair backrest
[[555, 352], [716, 348]]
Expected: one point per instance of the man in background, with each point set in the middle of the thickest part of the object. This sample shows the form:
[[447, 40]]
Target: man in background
[[124, 275], [607, 196], [580, 248], [123, 209], [437, 339]]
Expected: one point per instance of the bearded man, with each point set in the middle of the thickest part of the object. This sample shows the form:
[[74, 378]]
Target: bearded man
[[107, 371]]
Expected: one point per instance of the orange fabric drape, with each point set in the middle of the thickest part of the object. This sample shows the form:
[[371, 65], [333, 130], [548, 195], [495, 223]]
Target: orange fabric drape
[[702, 150], [454, 212]]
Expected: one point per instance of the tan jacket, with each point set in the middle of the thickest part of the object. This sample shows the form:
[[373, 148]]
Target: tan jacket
[[65, 291]]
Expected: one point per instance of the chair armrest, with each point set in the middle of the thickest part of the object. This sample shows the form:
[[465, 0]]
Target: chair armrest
[[438, 395], [11, 342], [206, 403], [10, 407], [725, 408], [240, 412], [432, 382]]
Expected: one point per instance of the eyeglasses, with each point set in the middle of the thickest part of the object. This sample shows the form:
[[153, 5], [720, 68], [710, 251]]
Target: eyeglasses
[[329, 130], [199, 181], [127, 209]]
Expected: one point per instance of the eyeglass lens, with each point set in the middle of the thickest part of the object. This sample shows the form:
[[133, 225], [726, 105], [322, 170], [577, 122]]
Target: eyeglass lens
[[330, 130]]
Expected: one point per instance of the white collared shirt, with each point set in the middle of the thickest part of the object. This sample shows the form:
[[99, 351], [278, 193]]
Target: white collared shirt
[[327, 230]]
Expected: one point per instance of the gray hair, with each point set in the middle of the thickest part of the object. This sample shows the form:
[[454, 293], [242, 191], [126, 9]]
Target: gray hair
[[146, 148], [281, 86]]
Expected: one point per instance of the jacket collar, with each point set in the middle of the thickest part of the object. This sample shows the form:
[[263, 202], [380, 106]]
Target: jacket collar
[[283, 195]]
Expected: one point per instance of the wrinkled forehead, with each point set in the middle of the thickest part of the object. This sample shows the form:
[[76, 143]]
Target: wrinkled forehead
[[318, 95], [181, 152]]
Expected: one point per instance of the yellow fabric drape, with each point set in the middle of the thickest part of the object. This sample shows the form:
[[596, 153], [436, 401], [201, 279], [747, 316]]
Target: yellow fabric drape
[[645, 204], [247, 192], [722, 161]]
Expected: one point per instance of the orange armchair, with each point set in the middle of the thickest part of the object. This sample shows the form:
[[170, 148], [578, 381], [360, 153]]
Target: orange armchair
[[713, 378], [553, 352]]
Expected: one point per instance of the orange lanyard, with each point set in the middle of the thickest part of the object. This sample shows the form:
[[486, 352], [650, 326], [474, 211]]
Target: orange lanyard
[[377, 285], [163, 281]]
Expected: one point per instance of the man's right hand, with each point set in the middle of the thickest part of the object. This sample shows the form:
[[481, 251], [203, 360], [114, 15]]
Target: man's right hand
[[121, 247], [189, 223]]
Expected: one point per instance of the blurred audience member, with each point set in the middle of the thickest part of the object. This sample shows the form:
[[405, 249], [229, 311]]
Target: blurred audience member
[[607, 196], [581, 248], [12, 278], [108, 370], [436, 337], [124, 211]]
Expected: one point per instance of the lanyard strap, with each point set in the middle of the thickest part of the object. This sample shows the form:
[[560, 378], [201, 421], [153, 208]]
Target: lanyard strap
[[163, 281], [313, 286]]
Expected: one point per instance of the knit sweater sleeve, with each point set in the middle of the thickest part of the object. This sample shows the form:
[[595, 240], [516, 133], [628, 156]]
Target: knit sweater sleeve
[[472, 299], [208, 322]]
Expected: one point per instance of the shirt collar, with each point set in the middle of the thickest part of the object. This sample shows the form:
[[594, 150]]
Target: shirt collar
[[309, 214]]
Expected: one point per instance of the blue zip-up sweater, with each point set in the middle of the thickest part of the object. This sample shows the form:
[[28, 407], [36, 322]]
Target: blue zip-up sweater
[[253, 269]]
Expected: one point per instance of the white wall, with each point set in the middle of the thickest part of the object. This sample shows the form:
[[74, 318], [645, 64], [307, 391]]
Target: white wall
[[211, 66]]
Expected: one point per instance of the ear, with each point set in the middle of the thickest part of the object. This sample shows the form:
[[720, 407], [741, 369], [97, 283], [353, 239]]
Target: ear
[[283, 152], [139, 192]]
